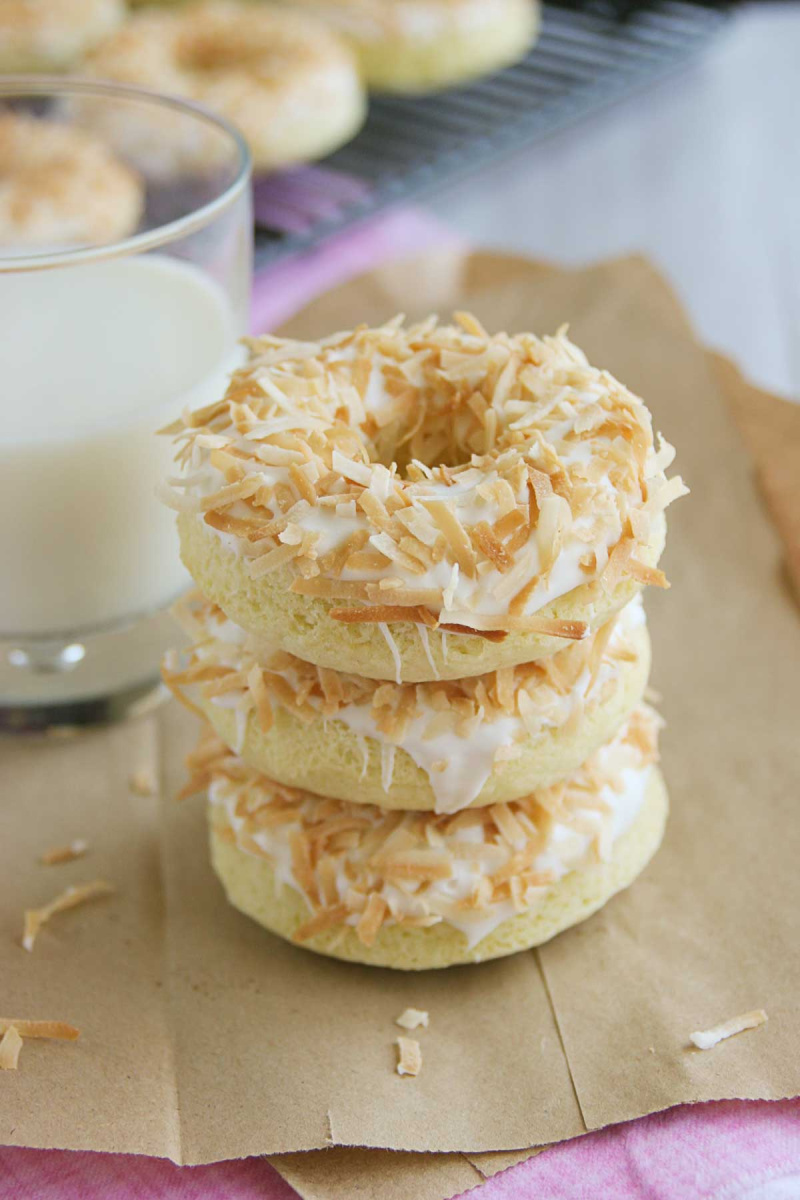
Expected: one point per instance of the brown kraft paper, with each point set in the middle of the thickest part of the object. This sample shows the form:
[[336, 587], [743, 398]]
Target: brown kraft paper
[[204, 1038]]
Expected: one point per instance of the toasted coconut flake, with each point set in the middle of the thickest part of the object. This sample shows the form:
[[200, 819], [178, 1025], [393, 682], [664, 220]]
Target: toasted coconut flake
[[488, 635], [617, 564], [58, 1030], [142, 782], [409, 1056], [707, 1039], [371, 919], [71, 897], [229, 494], [412, 1018], [260, 693], [383, 614], [10, 1046], [332, 589], [326, 918], [491, 546], [647, 575], [421, 865], [470, 324], [455, 534], [271, 560], [63, 854]]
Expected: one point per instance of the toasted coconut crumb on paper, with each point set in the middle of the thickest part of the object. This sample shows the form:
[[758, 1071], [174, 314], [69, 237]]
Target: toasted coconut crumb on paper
[[54, 1030], [71, 897], [10, 1046], [62, 854], [142, 783], [707, 1039], [409, 1056], [412, 1018]]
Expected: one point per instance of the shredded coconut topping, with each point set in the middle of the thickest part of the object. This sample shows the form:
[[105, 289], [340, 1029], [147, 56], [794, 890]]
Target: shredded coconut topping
[[360, 865], [457, 731], [431, 474]]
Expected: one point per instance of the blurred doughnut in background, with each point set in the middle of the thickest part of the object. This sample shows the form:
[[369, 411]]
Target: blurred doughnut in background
[[413, 46], [50, 35], [61, 187], [288, 83]]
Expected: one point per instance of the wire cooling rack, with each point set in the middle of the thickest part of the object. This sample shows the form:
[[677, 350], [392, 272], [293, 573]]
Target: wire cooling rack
[[587, 57]]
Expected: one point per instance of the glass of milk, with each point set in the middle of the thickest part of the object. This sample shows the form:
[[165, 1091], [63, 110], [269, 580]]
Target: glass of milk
[[100, 346]]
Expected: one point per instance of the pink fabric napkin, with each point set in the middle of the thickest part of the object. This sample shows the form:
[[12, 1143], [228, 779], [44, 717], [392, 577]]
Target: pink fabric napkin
[[726, 1151], [282, 290]]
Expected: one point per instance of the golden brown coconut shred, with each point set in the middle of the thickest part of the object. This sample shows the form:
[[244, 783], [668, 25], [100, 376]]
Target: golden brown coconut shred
[[457, 405]]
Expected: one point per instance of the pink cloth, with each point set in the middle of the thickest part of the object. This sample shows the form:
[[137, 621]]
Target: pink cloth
[[282, 290], [726, 1151]]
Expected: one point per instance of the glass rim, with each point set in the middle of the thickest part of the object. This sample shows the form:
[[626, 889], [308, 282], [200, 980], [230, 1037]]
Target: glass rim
[[161, 235]]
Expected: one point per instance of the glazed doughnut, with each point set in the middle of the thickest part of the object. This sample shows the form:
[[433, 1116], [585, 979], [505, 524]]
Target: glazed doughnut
[[61, 187], [438, 746], [421, 45], [414, 891], [49, 35], [421, 503], [288, 83]]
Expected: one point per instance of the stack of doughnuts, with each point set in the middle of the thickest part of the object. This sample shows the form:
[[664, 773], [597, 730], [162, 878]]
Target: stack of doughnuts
[[418, 645]]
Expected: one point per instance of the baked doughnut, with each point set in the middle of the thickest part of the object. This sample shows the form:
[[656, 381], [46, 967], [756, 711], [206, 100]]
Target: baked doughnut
[[286, 81], [421, 503], [61, 187], [414, 891], [421, 45], [437, 746], [49, 35]]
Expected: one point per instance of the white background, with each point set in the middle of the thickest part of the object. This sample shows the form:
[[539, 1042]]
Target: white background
[[702, 174]]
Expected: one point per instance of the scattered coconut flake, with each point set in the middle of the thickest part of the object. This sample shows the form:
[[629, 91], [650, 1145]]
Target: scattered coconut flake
[[62, 854], [412, 1018], [10, 1046], [71, 897], [409, 1056], [56, 1030], [707, 1039]]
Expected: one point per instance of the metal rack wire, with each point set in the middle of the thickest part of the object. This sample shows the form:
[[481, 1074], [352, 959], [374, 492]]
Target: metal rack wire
[[585, 59]]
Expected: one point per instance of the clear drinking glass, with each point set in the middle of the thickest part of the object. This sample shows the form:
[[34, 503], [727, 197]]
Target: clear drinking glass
[[99, 347]]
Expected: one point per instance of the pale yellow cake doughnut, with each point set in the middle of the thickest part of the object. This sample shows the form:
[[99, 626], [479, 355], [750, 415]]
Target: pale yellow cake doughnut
[[422, 45], [61, 187], [49, 35], [286, 81], [396, 651], [438, 746], [398, 912], [359, 500]]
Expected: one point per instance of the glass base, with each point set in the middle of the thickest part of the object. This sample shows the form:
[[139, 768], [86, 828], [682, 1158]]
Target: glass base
[[84, 679], [100, 710]]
